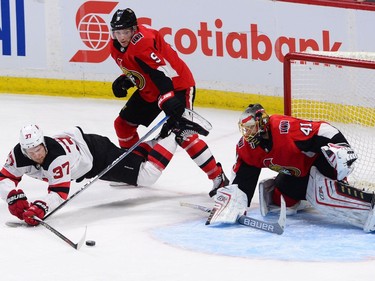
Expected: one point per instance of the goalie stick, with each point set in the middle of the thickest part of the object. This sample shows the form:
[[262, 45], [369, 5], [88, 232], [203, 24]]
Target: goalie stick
[[271, 227]]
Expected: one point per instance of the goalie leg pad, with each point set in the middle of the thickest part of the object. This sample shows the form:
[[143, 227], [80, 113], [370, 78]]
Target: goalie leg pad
[[266, 189], [230, 203], [323, 195], [370, 221]]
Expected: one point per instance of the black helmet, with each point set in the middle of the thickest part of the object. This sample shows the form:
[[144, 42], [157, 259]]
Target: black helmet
[[123, 19]]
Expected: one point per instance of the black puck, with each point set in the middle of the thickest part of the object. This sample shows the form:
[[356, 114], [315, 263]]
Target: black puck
[[90, 243]]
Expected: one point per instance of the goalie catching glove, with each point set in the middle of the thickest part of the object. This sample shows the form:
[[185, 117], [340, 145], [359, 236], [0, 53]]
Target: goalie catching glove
[[38, 209], [341, 157], [230, 203]]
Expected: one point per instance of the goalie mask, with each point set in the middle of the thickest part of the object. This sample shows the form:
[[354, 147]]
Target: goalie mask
[[253, 124], [31, 136]]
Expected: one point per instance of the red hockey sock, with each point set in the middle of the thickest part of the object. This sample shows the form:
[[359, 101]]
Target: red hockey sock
[[162, 152], [201, 155], [277, 201], [126, 133], [143, 149]]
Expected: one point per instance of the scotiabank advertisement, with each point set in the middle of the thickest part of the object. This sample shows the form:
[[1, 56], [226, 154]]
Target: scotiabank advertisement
[[234, 46]]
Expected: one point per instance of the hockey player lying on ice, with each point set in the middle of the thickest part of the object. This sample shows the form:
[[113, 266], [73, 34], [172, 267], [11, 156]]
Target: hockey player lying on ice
[[312, 159], [74, 155]]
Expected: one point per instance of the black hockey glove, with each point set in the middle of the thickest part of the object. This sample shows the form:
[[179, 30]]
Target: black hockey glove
[[171, 105], [121, 85]]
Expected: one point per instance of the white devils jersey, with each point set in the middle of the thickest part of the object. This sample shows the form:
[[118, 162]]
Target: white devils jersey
[[68, 158]]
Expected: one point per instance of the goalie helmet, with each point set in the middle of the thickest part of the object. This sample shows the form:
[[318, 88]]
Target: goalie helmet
[[31, 136], [253, 124], [123, 19]]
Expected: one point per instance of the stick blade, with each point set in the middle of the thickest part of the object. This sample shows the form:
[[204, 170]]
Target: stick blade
[[82, 240], [16, 224], [195, 206], [282, 217]]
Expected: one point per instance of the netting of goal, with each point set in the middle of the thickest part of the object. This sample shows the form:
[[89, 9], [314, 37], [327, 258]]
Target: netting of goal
[[338, 87]]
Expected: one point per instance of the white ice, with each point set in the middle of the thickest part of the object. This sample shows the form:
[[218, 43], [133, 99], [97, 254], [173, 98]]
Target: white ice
[[143, 234]]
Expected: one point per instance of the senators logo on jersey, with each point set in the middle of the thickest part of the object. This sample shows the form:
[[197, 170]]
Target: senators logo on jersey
[[290, 171], [137, 77]]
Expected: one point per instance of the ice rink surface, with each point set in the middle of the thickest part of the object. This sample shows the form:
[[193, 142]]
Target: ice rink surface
[[142, 233]]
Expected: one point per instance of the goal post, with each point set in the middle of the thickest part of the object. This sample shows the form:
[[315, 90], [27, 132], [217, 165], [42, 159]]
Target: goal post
[[337, 87]]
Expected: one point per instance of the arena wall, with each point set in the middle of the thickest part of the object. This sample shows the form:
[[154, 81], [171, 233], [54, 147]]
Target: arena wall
[[235, 49]]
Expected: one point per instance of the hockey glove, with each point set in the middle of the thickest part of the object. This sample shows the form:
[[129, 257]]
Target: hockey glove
[[341, 157], [171, 105], [17, 203], [230, 203], [121, 85], [39, 209]]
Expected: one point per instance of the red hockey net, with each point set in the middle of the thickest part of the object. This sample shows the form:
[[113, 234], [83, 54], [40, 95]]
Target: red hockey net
[[339, 88]]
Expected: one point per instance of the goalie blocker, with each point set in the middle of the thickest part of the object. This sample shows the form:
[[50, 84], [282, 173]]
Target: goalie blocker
[[230, 203]]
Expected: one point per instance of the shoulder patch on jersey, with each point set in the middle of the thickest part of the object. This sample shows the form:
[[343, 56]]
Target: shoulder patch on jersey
[[284, 126], [136, 38]]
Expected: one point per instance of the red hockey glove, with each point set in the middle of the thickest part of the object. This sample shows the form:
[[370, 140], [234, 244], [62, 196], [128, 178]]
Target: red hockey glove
[[39, 209], [17, 203], [121, 85], [171, 105]]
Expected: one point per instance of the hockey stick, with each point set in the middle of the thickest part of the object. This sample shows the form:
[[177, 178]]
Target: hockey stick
[[193, 116], [271, 227], [196, 206], [115, 162], [76, 246]]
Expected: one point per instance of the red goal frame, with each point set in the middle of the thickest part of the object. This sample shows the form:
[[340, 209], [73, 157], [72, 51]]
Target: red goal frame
[[315, 58]]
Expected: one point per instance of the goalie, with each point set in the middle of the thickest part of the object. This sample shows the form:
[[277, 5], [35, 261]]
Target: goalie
[[312, 159]]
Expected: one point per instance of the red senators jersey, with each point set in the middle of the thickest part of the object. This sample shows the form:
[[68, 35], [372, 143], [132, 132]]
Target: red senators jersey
[[293, 147], [155, 66], [295, 144]]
